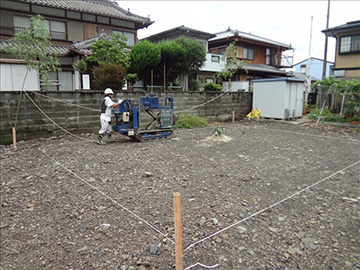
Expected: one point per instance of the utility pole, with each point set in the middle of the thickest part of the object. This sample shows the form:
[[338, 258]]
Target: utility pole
[[307, 91], [326, 42], [319, 99]]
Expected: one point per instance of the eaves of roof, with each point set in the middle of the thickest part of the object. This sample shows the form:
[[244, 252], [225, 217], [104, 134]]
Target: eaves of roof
[[98, 7], [263, 68], [331, 32]]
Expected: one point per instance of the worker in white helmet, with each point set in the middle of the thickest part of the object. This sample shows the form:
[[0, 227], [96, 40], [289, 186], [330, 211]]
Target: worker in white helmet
[[105, 117]]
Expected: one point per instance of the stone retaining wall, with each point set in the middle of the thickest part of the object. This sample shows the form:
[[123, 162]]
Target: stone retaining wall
[[33, 124]]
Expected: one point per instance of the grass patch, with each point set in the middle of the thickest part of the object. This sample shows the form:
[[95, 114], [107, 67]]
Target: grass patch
[[190, 121]]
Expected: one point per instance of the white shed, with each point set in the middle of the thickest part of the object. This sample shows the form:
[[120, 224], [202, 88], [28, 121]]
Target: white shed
[[280, 98]]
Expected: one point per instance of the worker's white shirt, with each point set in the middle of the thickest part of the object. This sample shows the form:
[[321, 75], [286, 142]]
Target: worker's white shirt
[[107, 115]]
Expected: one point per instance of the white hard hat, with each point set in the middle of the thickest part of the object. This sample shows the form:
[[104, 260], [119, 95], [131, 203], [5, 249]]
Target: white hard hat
[[108, 91]]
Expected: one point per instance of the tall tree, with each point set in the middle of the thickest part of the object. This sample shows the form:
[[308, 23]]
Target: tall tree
[[173, 61], [110, 51], [195, 56], [33, 45], [144, 56]]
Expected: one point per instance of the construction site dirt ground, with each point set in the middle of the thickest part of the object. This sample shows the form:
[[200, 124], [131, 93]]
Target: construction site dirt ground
[[269, 195]]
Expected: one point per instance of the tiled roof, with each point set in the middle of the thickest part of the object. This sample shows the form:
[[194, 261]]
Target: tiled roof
[[98, 7], [182, 29], [83, 47], [235, 33], [60, 50]]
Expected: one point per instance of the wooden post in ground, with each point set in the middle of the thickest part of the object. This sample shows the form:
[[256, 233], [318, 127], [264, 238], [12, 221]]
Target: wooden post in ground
[[178, 239], [164, 81], [233, 117], [14, 137]]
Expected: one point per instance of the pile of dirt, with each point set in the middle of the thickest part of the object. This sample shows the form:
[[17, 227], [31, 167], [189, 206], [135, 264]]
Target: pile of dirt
[[268, 195]]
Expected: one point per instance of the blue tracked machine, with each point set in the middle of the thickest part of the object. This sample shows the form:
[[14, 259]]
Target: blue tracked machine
[[160, 126]]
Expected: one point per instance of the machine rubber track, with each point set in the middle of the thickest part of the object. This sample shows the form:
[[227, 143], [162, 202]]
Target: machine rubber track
[[143, 135]]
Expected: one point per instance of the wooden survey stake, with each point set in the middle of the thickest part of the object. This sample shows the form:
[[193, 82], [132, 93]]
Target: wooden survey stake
[[14, 137], [178, 240]]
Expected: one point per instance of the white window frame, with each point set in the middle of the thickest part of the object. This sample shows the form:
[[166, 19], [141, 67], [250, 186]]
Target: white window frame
[[349, 44]]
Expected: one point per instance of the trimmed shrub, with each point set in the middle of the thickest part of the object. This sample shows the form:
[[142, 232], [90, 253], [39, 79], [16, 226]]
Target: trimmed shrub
[[212, 87], [109, 75]]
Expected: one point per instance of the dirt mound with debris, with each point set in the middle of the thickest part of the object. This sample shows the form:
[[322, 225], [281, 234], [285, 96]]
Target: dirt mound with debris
[[269, 195]]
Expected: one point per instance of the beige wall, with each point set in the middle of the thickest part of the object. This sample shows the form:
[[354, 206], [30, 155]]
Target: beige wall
[[353, 74], [348, 61]]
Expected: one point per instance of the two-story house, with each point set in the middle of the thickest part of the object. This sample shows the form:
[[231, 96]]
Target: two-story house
[[73, 26], [347, 55], [264, 58]]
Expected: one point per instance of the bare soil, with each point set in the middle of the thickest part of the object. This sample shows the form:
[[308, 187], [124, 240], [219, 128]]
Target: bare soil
[[270, 195]]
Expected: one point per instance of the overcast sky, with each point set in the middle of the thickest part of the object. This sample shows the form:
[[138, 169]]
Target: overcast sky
[[288, 22]]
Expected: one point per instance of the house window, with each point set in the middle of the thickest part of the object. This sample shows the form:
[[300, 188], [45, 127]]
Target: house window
[[268, 56], [248, 54], [221, 51], [130, 37], [209, 80], [62, 81], [350, 44], [303, 69], [215, 58], [20, 23], [57, 29]]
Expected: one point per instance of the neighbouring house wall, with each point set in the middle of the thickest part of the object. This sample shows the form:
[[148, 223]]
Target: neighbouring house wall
[[348, 61], [315, 69], [13, 75], [33, 124]]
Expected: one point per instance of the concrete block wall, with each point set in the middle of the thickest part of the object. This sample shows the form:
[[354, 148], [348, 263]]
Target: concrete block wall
[[33, 124]]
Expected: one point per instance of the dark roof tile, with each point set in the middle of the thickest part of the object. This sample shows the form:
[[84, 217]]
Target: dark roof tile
[[98, 7]]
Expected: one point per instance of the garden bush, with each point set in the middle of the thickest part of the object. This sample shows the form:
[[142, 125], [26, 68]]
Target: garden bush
[[190, 121], [212, 87], [109, 75]]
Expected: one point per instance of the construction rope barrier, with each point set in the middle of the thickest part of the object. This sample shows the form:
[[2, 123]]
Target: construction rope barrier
[[52, 121], [202, 265], [95, 110], [111, 199], [203, 104], [271, 206], [62, 101]]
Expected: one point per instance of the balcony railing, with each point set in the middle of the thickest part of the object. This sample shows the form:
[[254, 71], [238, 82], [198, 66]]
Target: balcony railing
[[10, 31]]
